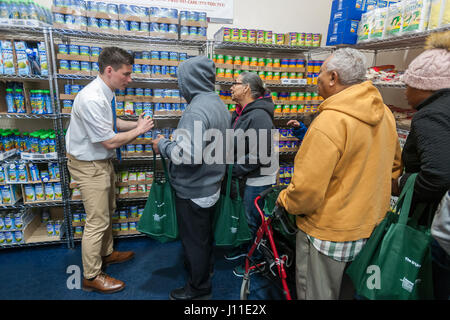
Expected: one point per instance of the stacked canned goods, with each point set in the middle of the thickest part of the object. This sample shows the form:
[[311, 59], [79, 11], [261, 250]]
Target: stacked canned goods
[[78, 50], [254, 36], [77, 20], [285, 174], [259, 62], [313, 70], [139, 183], [120, 219]]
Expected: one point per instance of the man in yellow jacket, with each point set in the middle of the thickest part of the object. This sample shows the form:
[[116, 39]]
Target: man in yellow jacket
[[342, 178]]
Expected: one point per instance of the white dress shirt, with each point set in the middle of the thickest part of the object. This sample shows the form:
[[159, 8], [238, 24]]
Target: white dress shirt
[[91, 123]]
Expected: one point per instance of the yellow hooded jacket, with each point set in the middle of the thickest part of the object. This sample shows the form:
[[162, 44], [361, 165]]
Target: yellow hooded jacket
[[341, 185]]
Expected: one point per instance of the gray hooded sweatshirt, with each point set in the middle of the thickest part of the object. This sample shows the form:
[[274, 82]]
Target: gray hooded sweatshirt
[[194, 178]]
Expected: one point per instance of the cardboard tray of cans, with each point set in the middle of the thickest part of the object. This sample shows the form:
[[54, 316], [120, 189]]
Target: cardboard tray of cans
[[102, 30], [114, 220], [75, 57], [202, 24], [75, 72], [164, 35], [72, 11], [192, 38]]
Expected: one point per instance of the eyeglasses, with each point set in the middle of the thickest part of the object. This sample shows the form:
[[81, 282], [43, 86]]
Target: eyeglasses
[[236, 83]]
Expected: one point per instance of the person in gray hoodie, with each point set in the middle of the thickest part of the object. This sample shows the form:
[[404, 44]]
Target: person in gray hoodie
[[195, 179]]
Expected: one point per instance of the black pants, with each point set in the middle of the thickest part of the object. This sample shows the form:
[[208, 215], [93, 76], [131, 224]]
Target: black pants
[[197, 236]]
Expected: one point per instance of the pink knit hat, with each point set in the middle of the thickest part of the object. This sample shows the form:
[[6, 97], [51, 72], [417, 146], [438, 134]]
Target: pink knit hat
[[431, 69]]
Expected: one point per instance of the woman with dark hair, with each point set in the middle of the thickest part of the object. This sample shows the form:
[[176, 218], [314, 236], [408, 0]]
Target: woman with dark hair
[[254, 111], [426, 150]]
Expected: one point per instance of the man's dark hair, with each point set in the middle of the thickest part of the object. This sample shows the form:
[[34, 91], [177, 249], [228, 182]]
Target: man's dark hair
[[114, 57]]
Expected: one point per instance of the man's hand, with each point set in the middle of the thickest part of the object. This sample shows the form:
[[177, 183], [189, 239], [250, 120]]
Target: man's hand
[[144, 124], [293, 123], [155, 143]]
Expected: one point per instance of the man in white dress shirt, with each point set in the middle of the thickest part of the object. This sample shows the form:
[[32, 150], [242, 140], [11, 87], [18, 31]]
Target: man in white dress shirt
[[93, 139]]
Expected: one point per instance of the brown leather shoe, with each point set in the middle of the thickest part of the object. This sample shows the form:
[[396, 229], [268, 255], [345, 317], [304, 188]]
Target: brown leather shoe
[[103, 284], [117, 257]]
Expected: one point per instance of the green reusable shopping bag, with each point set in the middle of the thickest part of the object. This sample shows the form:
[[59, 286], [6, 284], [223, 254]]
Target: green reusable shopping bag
[[230, 222], [159, 220], [395, 263]]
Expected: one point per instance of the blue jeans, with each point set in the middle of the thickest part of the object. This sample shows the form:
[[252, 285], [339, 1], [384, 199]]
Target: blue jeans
[[253, 216]]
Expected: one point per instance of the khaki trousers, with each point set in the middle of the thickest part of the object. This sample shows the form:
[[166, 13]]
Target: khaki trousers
[[96, 180], [317, 276]]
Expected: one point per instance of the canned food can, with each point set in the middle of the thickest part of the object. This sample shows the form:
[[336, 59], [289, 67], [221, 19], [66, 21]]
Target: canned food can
[[301, 39], [193, 31], [137, 68], [124, 25], [202, 16], [95, 51], [132, 226], [124, 226], [279, 39], [59, 18], [193, 16], [75, 65], [260, 36], [69, 19], [134, 26], [116, 227], [202, 31], [173, 28], [164, 70], [234, 35], [164, 55], [163, 27], [67, 103], [308, 40], [62, 49], [67, 89], [93, 22], [85, 66], [84, 50], [227, 34], [243, 35], [103, 24], [184, 15], [184, 30], [130, 91], [114, 24], [268, 62], [317, 37], [268, 37], [74, 49], [94, 66], [80, 21], [173, 56], [220, 72], [112, 8], [173, 70]]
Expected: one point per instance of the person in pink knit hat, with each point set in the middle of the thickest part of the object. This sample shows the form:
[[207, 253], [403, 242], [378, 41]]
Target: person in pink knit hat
[[426, 149]]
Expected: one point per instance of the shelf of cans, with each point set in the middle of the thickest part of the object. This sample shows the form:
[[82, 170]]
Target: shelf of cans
[[124, 220], [123, 19], [130, 184], [142, 146], [135, 101], [82, 60], [271, 70], [264, 37]]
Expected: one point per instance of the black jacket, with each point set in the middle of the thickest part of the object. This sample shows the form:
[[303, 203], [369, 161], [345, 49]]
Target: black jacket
[[257, 115], [427, 149]]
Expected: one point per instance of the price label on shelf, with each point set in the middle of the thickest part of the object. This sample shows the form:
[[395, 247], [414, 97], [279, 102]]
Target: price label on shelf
[[297, 82], [38, 156]]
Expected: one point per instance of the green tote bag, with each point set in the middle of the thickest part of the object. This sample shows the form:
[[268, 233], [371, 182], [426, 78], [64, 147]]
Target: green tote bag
[[230, 222], [395, 263], [159, 220]]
